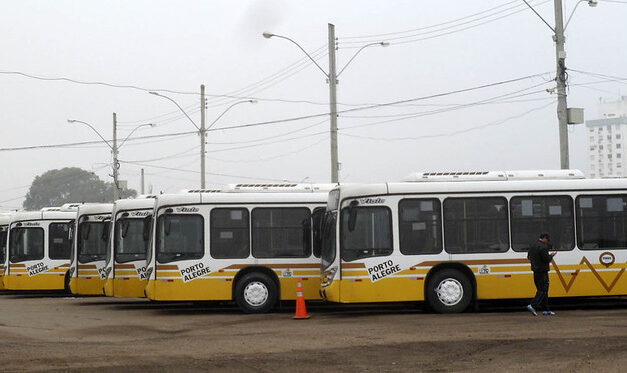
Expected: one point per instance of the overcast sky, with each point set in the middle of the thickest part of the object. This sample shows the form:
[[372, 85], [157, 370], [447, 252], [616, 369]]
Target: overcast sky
[[177, 46]]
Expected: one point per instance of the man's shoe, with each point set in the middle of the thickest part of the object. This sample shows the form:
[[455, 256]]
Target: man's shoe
[[530, 309], [548, 313]]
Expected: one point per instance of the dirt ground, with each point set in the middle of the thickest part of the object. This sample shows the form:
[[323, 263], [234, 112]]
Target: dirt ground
[[52, 332]]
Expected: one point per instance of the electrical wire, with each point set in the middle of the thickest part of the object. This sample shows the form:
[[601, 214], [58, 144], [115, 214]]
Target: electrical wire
[[421, 36], [450, 134], [273, 157]]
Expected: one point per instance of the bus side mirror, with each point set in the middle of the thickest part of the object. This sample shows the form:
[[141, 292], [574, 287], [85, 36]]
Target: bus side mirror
[[352, 215], [147, 226], [167, 223], [105, 231], [85, 231], [125, 224], [70, 231]]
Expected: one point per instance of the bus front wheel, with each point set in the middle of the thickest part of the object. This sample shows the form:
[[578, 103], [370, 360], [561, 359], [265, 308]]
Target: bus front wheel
[[449, 291], [256, 293]]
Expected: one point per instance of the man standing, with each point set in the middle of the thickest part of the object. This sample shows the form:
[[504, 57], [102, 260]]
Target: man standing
[[540, 260]]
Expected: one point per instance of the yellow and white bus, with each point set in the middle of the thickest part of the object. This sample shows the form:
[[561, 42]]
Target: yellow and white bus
[[39, 245], [126, 254], [87, 271], [452, 238], [4, 230], [239, 245]]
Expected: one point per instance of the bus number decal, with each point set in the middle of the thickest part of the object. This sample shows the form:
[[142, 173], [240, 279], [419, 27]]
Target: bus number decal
[[194, 271], [382, 270]]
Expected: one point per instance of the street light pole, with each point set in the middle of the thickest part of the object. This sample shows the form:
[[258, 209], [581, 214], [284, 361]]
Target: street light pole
[[203, 131], [561, 76], [333, 105], [560, 58], [332, 80], [116, 165]]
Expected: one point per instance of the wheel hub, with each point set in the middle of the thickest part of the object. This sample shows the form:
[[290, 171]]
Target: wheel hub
[[256, 293], [450, 291]]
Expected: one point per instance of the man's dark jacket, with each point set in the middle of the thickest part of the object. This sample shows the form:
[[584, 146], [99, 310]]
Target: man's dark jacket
[[539, 256]]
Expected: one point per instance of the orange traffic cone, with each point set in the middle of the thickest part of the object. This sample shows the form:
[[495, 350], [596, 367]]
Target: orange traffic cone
[[301, 308]]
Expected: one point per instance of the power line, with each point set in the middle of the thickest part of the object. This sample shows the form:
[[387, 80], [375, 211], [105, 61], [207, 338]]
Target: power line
[[418, 38], [285, 120], [273, 157], [208, 173], [449, 134]]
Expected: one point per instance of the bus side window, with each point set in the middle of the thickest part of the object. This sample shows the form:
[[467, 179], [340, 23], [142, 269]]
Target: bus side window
[[601, 221], [476, 225], [420, 226], [229, 233], [283, 232], [532, 215]]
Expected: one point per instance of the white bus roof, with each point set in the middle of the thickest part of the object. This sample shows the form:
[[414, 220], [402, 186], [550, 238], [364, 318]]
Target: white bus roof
[[41, 215], [240, 198], [134, 204], [479, 186], [494, 175], [95, 208], [265, 188]]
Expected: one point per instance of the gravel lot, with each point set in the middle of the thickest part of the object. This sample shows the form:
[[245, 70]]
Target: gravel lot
[[53, 332]]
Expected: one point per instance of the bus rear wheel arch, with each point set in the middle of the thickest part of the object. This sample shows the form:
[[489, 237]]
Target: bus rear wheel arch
[[449, 290], [256, 292]]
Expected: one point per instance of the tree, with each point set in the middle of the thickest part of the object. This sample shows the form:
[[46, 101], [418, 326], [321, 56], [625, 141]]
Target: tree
[[70, 184]]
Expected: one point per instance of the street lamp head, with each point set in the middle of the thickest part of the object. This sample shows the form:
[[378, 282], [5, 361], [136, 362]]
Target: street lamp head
[[71, 121], [593, 3], [154, 93], [267, 35], [384, 43], [253, 101]]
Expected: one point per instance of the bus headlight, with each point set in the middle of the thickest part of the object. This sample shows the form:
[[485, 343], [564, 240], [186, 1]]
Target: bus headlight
[[328, 276]]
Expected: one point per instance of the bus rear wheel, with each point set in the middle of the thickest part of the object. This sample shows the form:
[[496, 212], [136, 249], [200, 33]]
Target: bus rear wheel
[[449, 291], [66, 283], [256, 293]]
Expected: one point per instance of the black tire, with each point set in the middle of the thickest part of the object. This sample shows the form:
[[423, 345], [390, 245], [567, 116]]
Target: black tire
[[449, 291], [256, 293]]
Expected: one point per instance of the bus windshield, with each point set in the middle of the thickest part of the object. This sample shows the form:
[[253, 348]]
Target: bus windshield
[[130, 242], [328, 239], [3, 244], [26, 244], [92, 241], [180, 237]]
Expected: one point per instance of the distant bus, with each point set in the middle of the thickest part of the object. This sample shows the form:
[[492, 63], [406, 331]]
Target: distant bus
[[126, 255], [4, 230], [39, 246], [243, 246], [452, 238], [87, 272]]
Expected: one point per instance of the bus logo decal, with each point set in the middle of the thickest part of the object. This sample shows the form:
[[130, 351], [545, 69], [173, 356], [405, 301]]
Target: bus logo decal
[[382, 270], [371, 201], [484, 270], [37, 268], [607, 259], [287, 273], [194, 272]]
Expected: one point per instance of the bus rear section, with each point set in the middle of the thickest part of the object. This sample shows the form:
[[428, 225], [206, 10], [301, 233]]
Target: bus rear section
[[39, 245], [87, 272], [126, 255], [449, 243], [246, 247], [5, 218]]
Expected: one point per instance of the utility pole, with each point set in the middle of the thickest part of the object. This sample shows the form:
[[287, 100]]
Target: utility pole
[[116, 165], [560, 57], [142, 179], [333, 104], [202, 136]]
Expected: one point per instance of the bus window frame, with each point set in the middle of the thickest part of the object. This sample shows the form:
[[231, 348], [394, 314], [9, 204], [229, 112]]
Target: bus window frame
[[248, 230], [578, 221], [181, 257], [43, 241], [69, 224], [441, 222], [373, 250], [308, 242]]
